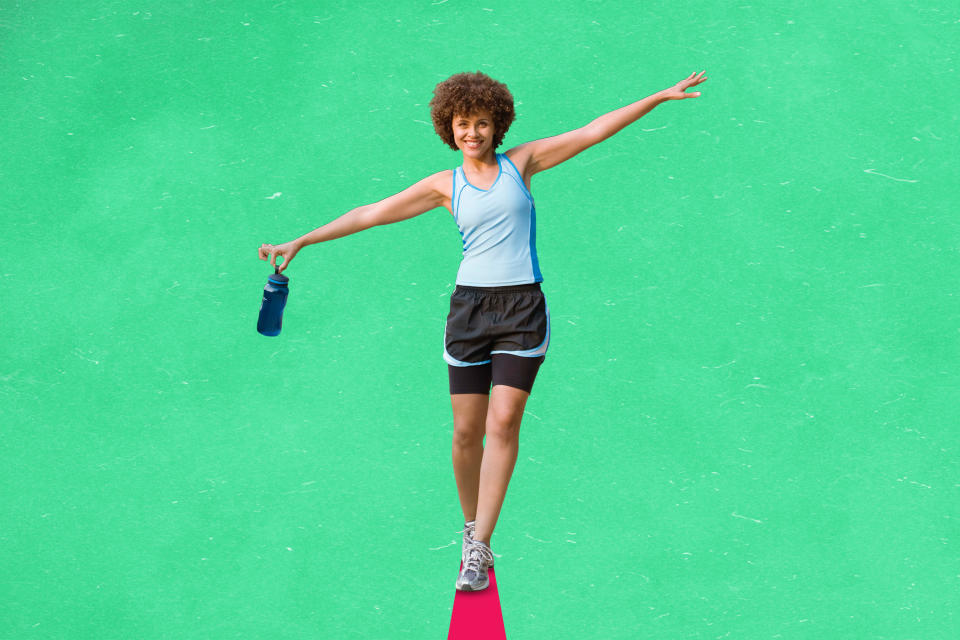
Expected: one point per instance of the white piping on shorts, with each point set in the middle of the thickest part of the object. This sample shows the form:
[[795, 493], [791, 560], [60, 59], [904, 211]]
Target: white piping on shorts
[[536, 351], [540, 350]]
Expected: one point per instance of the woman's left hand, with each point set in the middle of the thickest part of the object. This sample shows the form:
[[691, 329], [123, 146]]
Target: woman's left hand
[[676, 92]]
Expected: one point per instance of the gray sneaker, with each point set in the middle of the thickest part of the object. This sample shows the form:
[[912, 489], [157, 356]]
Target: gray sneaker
[[469, 528], [473, 576]]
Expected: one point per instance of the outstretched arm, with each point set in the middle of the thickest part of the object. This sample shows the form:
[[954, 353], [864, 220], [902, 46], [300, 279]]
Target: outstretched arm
[[549, 152], [419, 198]]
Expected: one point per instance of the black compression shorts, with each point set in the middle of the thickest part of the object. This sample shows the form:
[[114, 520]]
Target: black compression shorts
[[495, 335]]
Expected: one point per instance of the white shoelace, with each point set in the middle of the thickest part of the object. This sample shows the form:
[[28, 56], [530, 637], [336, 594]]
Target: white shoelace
[[471, 529], [478, 554]]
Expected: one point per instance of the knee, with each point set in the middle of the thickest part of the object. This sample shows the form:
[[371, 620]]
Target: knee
[[504, 427], [467, 435]]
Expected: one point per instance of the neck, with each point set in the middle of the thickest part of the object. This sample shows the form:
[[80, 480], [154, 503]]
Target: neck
[[479, 164]]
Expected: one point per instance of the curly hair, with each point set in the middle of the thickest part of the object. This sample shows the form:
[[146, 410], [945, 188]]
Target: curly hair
[[465, 94]]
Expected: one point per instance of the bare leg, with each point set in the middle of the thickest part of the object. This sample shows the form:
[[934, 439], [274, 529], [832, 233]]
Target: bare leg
[[499, 456], [469, 422]]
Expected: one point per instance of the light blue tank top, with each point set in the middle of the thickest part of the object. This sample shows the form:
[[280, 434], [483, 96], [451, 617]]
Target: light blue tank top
[[499, 229]]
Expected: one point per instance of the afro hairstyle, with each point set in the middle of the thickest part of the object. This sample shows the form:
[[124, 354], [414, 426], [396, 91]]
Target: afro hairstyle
[[465, 94]]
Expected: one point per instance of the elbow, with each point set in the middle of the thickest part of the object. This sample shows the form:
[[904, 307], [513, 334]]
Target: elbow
[[595, 133], [598, 132], [369, 216]]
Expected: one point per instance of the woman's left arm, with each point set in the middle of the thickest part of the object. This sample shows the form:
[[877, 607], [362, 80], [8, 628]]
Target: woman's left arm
[[549, 152]]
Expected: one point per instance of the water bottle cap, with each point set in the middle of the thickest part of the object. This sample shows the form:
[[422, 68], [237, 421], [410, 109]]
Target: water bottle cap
[[279, 278]]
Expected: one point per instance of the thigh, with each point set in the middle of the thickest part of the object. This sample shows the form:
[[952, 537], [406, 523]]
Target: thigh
[[515, 371], [469, 416], [473, 379]]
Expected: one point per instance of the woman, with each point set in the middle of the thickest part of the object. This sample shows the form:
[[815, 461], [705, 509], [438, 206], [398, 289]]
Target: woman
[[498, 328]]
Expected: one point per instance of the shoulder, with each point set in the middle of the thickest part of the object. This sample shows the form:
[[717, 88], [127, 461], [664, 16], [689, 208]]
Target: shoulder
[[446, 174], [441, 182], [435, 188], [520, 157]]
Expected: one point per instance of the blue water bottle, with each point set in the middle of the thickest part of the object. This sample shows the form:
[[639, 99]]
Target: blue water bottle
[[271, 308]]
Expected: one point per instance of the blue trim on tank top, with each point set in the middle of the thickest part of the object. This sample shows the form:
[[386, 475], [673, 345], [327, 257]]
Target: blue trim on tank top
[[460, 190], [453, 196], [534, 259], [454, 201], [520, 177], [499, 173], [537, 276]]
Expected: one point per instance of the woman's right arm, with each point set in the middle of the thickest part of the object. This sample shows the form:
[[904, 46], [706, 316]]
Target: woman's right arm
[[419, 198]]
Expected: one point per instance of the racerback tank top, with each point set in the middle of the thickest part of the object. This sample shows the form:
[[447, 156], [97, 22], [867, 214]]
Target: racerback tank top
[[498, 227]]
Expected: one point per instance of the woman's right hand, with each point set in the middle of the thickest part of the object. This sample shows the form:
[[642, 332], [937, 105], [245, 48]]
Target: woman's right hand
[[286, 250]]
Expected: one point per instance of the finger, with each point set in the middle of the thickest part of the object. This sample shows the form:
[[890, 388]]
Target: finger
[[273, 259]]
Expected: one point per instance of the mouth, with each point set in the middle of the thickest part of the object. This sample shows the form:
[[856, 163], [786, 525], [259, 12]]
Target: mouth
[[472, 144]]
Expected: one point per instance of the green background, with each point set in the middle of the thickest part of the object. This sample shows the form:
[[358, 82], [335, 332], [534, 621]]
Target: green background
[[746, 425]]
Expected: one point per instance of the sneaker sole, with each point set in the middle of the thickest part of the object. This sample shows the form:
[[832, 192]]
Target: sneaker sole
[[463, 585], [467, 587]]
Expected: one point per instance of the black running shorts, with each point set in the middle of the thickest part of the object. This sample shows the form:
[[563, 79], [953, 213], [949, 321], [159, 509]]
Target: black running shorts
[[495, 335]]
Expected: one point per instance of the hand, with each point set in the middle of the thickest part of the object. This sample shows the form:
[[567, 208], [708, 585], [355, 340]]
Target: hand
[[676, 92], [286, 251]]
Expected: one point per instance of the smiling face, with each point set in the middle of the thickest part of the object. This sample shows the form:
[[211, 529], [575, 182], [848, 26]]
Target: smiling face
[[474, 134]]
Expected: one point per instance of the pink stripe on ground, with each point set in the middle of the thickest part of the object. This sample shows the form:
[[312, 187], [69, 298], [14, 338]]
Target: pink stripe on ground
[[477, 614]]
